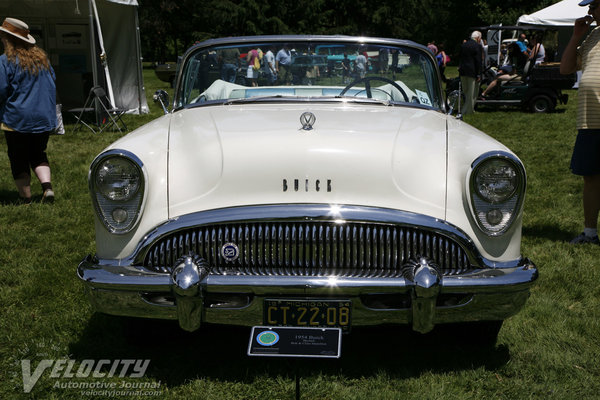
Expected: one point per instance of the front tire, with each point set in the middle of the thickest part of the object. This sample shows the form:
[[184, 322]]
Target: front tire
[[541, 104]]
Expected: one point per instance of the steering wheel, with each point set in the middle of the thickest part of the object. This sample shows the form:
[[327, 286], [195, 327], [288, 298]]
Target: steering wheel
[[367, 81]]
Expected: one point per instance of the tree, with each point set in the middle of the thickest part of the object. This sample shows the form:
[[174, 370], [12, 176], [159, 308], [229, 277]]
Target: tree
[[169, 27]]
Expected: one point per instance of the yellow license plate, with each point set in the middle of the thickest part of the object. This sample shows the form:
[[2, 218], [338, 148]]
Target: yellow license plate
[[308, 313]]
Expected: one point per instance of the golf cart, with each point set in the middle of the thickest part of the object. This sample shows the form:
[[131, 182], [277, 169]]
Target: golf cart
[[534, 87]]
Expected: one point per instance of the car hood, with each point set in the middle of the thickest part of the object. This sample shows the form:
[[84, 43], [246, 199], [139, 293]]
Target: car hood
[[223, 156]]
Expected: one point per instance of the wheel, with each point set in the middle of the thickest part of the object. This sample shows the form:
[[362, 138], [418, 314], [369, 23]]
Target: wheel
[[541, 104], [367, 81]]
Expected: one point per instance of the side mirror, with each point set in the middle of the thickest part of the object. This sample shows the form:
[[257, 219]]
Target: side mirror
[[162, 97], [454, 100]]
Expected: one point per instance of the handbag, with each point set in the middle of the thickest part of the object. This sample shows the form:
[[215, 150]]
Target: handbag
[[60, 126]]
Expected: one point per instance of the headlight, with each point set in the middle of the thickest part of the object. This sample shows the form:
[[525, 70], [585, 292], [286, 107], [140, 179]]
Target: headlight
[[497, 191], [118, 179], [496, 180], [117, 187]]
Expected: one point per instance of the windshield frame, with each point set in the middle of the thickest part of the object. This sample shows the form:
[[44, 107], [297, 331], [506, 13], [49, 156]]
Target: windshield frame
[[436, 87]]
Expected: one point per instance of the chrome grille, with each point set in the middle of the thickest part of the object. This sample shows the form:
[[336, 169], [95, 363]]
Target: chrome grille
[[310, 249]]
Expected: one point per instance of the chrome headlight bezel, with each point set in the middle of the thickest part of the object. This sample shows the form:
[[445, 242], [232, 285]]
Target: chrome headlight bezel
[[497, 185], [118, 201]]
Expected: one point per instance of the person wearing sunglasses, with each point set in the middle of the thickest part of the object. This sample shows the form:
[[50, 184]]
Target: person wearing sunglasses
[[584, 55]]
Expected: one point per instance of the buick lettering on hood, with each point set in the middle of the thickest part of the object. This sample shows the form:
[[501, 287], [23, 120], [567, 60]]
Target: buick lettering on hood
[[324, 184]]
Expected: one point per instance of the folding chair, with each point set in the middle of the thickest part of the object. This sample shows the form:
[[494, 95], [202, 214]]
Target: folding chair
[[109, 116]]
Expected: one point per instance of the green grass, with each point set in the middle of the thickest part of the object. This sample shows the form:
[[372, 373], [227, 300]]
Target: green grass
[[549, 350]]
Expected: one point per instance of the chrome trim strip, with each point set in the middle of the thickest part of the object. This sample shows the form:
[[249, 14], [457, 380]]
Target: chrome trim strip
[[108, 274], [486, 101], [304, 38]]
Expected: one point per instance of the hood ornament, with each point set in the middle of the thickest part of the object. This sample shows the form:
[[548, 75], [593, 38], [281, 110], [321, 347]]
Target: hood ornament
[[307, 120]]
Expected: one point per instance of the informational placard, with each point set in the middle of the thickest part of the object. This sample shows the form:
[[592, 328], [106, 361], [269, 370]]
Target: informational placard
[[287, 341]]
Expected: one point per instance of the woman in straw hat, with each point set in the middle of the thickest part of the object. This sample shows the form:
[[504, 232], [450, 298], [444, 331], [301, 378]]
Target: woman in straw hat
[[27, 107]]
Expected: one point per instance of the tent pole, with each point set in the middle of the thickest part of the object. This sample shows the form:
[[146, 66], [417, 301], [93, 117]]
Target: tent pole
[[93, 51], [104, 57], [139, 61]]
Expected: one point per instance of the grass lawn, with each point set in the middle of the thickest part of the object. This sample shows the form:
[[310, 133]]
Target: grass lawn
[[550, 350]]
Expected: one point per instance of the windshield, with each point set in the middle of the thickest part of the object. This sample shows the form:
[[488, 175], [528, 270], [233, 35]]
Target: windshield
[[387, 73]]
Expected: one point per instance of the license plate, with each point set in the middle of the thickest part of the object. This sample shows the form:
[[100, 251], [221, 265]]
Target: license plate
[[308, 313]]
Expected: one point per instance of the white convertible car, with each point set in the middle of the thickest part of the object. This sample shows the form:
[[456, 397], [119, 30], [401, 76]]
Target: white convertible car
[[332, 194]]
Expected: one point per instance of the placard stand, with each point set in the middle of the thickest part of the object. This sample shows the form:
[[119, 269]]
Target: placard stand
[[293, 342], [297, 380]]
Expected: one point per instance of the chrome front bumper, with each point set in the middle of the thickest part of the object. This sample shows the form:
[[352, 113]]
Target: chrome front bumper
[[194, 296]]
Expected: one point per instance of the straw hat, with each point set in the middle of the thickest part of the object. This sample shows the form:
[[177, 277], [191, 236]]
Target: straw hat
[[18, 29]]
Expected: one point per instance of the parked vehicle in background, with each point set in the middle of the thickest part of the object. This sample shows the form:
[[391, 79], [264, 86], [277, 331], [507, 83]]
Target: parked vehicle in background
[[537, 88], [166, 72], [322, 205]]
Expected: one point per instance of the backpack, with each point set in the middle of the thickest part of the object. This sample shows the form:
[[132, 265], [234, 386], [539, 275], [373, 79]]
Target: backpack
[[259, 56]]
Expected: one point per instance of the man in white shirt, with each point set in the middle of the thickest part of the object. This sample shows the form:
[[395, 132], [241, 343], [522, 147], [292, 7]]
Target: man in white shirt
[[361, 65], [270, 66]]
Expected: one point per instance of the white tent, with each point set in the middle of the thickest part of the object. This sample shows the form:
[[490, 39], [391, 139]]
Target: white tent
[[563, 13], [560, 16], [89, 42]]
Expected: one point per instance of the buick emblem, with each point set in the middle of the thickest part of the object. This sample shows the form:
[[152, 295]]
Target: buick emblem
[[307, 120], [230, 252]]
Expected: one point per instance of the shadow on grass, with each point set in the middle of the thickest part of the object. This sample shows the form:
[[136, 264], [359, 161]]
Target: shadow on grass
[[486, 108], [547, 231], [11, 198], [219, 352]]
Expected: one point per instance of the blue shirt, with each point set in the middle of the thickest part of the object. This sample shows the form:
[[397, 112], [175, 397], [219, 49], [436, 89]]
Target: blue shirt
[[284, 57], [522, 46], [27, 102]]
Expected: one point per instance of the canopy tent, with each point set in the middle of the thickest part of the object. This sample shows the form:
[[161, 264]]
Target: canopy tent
[[89, 42], [563, 13], [560, 16]]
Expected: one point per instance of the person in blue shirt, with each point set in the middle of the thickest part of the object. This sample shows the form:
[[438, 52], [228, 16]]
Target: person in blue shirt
[[27, 107], [283, 62], [523, 53]]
